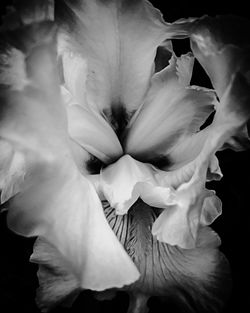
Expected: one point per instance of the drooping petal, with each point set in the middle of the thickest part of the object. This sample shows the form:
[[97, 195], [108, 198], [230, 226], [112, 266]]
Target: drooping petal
[[120, 60], [170, 111], [63, 208], [190, 277], [55, 200], [56, 283]]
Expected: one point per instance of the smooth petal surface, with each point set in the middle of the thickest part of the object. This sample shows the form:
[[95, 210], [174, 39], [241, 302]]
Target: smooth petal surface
[[86, 126], [63, 207], [222, 46], [118, 182], [93, 133], [120, 60], [55, 200], [171, 110]]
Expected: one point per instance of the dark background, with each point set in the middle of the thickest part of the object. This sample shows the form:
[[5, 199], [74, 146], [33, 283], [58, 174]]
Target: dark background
[[18, 280]]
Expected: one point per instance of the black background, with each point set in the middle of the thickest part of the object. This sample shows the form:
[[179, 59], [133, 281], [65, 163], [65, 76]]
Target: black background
[[18, 279]]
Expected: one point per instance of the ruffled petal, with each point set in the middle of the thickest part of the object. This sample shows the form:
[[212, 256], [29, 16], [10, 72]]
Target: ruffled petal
[[222, 46], [170, 111], [118, 182], [120, 60]]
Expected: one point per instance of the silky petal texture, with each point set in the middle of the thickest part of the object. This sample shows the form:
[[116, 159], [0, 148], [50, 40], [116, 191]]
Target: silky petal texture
[[190, 275], [165, 270], [120, 60], [118, 182], [12, 171], [93, 133], [56, 283], [172, 109], [55, 201], [63, 207], [188, 212], [85, 126], [222, 47], [181, 193]]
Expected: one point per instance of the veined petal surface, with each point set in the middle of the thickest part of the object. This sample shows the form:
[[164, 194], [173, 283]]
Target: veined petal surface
[[172, 109], [119, 60]]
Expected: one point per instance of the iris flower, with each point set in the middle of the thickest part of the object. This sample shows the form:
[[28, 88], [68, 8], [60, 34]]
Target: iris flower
[[104, 153]]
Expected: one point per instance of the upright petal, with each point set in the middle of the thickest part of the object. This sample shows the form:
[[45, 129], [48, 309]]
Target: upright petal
[[118, 40], [171, 110]]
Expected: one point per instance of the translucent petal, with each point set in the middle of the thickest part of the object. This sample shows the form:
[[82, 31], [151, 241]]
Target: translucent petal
[[171, 110], [56, 283], [12, 171], [189, 276], [93, 133], [222, 45], [55, 201], [118, 182], [120, 60]]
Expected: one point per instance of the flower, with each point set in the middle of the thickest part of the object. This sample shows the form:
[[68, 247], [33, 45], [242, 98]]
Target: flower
[[80, 85]]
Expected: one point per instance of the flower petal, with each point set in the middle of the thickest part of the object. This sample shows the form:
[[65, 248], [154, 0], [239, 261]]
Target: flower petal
[[56, 283], [55, 201], [190, 277], [120, 60], [221, 45], [118, 182], [93, 133], [170, 111], [12, 171]]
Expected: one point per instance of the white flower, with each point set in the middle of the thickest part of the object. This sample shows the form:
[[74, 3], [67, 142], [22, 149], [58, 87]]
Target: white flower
[[84, 86]]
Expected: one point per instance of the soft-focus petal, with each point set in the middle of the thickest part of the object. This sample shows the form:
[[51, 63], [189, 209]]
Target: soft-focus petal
[[63, 207], [12, 171], [55, 200], [56, 283], [119, 60], [170, 111], [93, 133], [222, 46]]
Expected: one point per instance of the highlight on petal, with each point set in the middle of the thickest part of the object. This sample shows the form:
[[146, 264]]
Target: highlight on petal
[[93, 133], [55, 201], [192, 277], [12, 171], [118, 182], [221, 45], [56, 284], [63, 207], [120, 61], [172, 109]]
